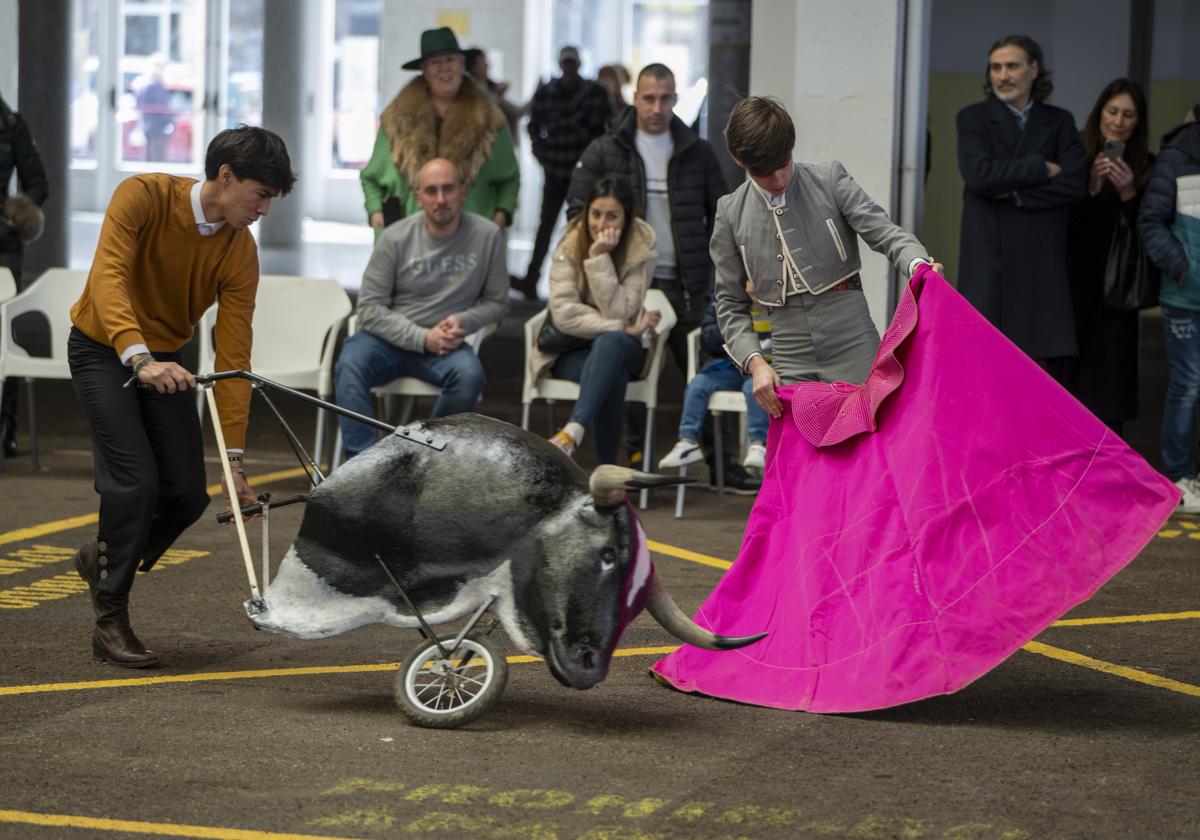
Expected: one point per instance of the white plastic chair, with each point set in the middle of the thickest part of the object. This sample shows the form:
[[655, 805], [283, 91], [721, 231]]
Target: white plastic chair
[[407, 387], [640, 390], [296, 324], [52, 294], [719, 403], [8, 284]]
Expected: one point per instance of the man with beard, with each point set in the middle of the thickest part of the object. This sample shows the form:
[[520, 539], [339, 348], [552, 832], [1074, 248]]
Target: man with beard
[[433, 279]]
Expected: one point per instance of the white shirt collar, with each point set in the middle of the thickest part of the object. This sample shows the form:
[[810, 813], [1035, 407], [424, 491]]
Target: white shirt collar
[[205, 227]]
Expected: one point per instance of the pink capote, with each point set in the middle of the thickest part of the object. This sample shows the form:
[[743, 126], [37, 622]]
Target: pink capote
[[914, 531]]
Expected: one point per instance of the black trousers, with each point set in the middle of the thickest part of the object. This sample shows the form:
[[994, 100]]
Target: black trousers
[[149, 461], [8, 401], [554, 194]]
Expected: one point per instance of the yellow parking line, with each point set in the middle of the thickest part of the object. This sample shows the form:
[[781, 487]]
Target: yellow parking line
[[35, 531], [160, 829], [1116, 670], [1126, 619], [215, 676], [684, 554]]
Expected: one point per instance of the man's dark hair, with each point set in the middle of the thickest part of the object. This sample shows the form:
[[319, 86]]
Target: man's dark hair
[[1042, 85], [760, 134], [251, 152], [655, 71]]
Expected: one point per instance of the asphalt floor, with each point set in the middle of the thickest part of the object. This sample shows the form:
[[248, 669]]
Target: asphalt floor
[[1091, 731]]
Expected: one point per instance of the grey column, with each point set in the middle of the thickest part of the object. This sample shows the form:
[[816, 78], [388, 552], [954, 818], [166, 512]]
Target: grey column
[[43, 89], [728, 74], [287, 106]]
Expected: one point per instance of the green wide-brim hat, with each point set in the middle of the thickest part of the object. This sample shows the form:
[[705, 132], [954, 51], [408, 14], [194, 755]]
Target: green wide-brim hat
[[434, 42]]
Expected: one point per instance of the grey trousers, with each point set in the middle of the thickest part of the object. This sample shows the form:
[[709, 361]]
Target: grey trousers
[[823, 338]]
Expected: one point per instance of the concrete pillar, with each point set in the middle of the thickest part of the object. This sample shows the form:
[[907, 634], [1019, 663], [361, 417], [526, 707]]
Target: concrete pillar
[[836, 67], [728, 73], [44, 85], [288, 93]]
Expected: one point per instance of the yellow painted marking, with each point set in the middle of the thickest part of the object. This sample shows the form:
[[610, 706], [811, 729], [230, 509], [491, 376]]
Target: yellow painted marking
[[35, 531], [1188, 525], [684, 554], [68, 584], [160, 829], [1126, 619], [1169, 533], [45, 688], [1116, 670]]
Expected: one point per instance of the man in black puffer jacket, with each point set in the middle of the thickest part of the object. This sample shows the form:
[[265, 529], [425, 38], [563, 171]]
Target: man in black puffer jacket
[[677, 181], [20, 221]]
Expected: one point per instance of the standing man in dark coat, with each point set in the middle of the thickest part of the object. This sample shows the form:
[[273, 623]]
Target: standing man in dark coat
[[677, 181], [1023, 167], [20, 222], [566, 115]]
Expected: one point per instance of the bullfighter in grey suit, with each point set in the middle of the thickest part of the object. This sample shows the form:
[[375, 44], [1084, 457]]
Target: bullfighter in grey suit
[[792, 229], [1022, 166]]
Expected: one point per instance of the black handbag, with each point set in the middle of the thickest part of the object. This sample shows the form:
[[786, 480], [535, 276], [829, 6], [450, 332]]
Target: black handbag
[[552, 340], [1131, 279]]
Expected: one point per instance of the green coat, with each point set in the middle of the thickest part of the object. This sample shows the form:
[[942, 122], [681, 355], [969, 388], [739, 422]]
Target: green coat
[[495, 186]]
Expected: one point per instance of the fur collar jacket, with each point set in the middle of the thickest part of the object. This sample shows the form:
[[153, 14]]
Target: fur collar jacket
[[466, 136]]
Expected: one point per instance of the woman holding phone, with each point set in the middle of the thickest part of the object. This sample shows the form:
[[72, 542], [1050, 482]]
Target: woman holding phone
[[1104, 377], [598, 280]]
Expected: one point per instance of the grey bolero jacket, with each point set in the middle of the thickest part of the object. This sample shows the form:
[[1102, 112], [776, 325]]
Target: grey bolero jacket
[[808, 245]]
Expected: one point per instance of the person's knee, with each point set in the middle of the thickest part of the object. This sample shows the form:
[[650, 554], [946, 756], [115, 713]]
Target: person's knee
[[467, 376], [613, 340], [354, 363]]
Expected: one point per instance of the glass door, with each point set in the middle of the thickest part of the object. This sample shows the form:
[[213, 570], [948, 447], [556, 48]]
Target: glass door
[[153, 81]]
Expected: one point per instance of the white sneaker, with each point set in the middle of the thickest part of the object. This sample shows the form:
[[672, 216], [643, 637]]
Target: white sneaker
[[683, 453], [1190, 503], [756, 457]]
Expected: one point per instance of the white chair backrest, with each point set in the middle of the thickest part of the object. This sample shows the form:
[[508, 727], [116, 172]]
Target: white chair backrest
[[53, 294], [657, 299], [293, 321], [8, 284]]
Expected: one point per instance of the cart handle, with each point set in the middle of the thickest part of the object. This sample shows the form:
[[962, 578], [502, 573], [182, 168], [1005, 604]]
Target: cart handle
[[251, 510]]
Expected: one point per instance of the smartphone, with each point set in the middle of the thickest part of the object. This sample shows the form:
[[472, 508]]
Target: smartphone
[[1113, 149]]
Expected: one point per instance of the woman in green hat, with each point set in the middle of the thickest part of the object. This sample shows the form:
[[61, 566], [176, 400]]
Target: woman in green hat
[[442, 113]]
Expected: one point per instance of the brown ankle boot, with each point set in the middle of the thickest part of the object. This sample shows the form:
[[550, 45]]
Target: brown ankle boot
[[113, 640], [87, 564]]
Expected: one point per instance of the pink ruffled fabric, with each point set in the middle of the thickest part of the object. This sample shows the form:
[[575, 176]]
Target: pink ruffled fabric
[[915, 531]]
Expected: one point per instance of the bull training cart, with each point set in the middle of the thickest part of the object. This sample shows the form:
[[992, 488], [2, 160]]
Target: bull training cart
[[445, 681]]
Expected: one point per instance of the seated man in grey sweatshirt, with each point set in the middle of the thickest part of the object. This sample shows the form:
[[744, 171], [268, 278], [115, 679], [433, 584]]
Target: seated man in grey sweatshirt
[[433, 279]]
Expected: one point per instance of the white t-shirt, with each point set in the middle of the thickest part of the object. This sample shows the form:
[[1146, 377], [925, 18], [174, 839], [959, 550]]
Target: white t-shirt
[[655, 151]]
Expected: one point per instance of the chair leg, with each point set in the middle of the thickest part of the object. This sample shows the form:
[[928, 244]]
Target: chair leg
[[319, 442], [3, 460], [525, 416], [647, 453], [407, 404], [33, 435], [679, 493], [335, 460], [719, 458]]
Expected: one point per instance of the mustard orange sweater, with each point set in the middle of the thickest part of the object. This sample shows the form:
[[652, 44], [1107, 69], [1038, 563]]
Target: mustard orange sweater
[[154, 276]]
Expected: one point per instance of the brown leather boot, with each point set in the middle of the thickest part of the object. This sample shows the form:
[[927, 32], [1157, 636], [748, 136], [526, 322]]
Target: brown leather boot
[[113, 640], [87, 564]]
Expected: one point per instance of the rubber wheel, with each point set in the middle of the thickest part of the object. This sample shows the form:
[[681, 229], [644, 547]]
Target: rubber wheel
[[446, 693]]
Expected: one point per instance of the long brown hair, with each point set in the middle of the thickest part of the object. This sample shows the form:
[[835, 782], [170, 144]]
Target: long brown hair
[[607, 187], [1137, 148]]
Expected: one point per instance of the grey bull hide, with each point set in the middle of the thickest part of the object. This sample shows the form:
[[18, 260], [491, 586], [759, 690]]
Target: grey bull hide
[[497, 512]]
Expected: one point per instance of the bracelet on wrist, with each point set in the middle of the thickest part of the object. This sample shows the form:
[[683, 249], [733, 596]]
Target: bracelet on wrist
[[141, 363]]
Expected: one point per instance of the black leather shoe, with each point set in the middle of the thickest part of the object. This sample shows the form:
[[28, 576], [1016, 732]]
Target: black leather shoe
[[113, 640], [737, 481], [87, 564]]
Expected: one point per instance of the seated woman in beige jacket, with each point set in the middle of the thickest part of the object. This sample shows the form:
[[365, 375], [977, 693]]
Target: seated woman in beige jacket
[[598, 280]]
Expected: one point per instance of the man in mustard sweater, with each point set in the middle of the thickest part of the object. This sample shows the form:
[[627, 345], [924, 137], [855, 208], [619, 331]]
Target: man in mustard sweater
[[169, 249]]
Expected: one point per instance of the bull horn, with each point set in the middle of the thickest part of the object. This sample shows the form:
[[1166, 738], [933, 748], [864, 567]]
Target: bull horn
[[609, 482], [667, 613]]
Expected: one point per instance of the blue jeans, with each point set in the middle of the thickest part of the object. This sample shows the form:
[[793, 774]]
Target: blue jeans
[[368, 361], [602, 371], [1181, 332], [720, 378]]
